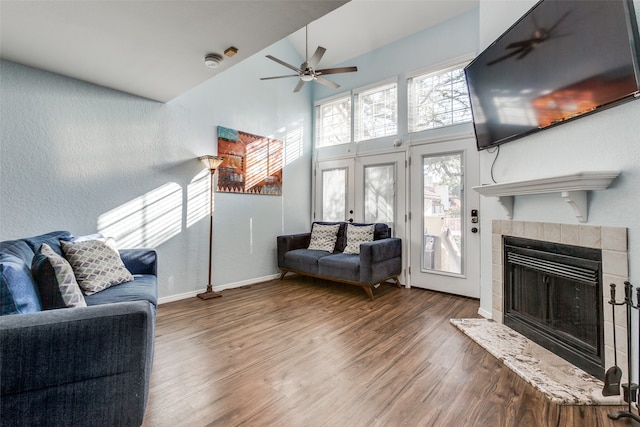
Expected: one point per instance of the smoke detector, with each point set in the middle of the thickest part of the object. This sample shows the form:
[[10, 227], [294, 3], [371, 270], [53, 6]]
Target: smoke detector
[[212, 60]]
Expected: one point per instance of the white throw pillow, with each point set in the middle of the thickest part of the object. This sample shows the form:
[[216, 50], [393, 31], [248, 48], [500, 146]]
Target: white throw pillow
[[95, 265], [357, 234], [323, 237]]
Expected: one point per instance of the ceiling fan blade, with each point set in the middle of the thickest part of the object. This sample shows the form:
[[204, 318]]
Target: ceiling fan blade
[[326, 82], [299, 86], [279, 77], [526, 52], [507, 56], [337, 70], [523, 43], [317, 56], [554, 26], [273, 58]]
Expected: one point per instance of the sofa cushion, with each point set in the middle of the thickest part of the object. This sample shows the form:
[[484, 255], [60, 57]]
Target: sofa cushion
[[340, 266], [95, 265], [323, 237], [304, 260], [357, 234], [143, 287], [18, 293], [52, 239], [56, 282]]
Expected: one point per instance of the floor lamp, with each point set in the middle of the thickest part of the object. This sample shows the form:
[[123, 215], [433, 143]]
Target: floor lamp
[[212, 162]]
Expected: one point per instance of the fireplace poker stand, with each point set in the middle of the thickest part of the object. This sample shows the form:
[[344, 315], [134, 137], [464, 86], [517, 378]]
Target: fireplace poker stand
[[630, 390]]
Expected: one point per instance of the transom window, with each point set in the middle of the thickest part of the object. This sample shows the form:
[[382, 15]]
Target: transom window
[[376, 112], [438, 99], [333, 122]]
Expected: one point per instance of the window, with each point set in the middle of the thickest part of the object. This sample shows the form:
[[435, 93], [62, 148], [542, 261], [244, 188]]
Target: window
[[438, 99], [376, 112], [333, 122]]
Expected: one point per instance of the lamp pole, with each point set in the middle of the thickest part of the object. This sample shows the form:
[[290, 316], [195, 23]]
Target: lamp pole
[[212, 163]]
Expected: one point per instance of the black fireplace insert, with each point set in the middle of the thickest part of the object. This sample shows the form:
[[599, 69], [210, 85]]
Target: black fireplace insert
[[553, 296]]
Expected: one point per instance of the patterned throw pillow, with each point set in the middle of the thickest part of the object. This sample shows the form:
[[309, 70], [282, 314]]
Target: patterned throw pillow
[[323, 237], [357, 234], [95, 265], [67, 285]]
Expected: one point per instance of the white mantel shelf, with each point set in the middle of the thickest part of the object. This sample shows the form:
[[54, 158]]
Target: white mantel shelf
[[572, 188]]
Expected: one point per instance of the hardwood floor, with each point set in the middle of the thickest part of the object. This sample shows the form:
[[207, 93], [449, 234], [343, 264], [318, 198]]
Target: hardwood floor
[[302, 353]]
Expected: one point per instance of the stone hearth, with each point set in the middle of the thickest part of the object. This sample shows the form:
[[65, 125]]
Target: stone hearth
[[558, 380]]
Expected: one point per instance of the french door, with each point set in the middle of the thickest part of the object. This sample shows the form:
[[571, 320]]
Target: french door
[[445, 241], [365, 189]]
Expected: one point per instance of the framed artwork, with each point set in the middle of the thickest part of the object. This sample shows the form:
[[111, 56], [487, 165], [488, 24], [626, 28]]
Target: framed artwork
[[252, 164]]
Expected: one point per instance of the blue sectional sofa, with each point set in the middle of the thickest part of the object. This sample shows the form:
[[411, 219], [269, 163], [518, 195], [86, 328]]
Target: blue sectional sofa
[[378, 261], [80, 366]]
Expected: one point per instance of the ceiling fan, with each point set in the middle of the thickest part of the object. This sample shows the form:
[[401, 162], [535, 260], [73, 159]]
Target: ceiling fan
[[307, 71], [525, 47]]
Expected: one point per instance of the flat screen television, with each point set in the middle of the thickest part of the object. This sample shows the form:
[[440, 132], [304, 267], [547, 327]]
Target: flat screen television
[[561, 60]]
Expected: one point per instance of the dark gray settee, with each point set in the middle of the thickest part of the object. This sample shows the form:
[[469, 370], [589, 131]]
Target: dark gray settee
[[378, 261], [83, 366]]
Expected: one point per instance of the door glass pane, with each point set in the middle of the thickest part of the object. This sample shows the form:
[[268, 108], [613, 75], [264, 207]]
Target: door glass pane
[[442, 188], [379, 194], [334, 195]]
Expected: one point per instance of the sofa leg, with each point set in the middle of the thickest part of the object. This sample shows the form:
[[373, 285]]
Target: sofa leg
[[369, 291], [398, 284], [282, 273]]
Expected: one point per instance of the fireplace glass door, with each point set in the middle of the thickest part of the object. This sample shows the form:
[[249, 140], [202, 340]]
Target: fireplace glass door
[[554, 298]]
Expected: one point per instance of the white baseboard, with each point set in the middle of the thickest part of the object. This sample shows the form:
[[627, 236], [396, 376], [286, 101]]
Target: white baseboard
[[484, 313], [219, 288]]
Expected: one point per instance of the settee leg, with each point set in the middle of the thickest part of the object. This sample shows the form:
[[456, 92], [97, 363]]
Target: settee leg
[[369, 291], [282, 273], [398, 284]]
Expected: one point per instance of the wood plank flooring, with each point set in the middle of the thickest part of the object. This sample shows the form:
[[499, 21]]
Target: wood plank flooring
[[299, 352]]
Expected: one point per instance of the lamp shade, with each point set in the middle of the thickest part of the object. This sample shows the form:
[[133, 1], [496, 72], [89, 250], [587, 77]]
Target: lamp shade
[[212, 162]]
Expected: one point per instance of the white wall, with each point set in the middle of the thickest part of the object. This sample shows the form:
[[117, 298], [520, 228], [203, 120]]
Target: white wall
[[608, 140], [74, 155]]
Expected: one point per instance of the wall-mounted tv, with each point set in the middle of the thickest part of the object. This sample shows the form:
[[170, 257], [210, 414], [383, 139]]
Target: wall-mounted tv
[[561, 60]]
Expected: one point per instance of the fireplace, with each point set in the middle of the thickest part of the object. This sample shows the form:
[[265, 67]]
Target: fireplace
[[610, 241], [553, 296]]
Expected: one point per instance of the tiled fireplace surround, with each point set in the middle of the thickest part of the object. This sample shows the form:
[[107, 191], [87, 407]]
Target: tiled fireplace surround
[[615, 269]]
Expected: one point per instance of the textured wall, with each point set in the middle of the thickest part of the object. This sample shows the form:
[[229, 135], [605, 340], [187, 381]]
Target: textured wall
[[83, 158]]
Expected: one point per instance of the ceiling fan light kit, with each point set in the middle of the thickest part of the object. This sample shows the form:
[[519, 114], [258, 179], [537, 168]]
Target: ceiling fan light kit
[[307, 71], [212, 60]]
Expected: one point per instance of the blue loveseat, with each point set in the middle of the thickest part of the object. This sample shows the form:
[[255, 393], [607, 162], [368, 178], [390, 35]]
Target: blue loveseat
[[378, 261], [81, 366]]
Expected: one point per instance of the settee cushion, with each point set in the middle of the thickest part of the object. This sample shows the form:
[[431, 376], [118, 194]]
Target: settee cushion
[[52, 239], [305, 260], [340, 266], [18, 295], [323, 237], [56, 282], [95, 265], [357, 234], [143, 287]]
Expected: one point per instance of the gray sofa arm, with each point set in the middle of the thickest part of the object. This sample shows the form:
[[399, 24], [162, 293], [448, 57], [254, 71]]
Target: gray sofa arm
[[380, 260], [82, 366], [291, 242]]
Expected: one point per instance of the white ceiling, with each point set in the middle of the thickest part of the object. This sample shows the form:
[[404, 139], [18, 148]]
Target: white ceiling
[[155, 49]]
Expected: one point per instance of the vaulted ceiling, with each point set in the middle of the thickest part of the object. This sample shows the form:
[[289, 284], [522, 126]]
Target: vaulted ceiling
[[155, 49]]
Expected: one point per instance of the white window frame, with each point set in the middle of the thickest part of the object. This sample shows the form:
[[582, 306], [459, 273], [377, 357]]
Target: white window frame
[[321, 139], [438, 69], [356, 107]]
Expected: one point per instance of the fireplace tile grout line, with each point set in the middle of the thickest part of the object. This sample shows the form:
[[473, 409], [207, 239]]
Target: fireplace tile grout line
[[558, 380]]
